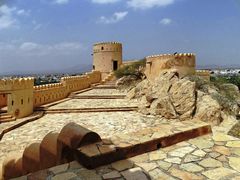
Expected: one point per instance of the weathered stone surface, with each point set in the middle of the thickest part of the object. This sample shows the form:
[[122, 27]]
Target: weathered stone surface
[[208, 109], [64, 176], [88, 174], [140, 158], [134, 174], [199, 153], [163, 106], [181, 152], [112, 175], [210, 163], [173, 160], [75, 165], [147, 166], [183, 174], [233, 144], [218, 173], [236, 151], [222, 150], [201, 143], [158, 174], [234, 162], [60, 168], [157, 155], [218, 136], [214, 154], [164, 165], [183, 97], [122, 165], [192, 158], [191, 167]]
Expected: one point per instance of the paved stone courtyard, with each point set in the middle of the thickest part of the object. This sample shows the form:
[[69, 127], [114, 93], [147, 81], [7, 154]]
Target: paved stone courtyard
[[214, 156], [94, 103]]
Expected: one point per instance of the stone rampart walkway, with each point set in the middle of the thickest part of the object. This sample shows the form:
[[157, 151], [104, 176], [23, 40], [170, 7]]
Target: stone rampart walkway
[[214, 156]]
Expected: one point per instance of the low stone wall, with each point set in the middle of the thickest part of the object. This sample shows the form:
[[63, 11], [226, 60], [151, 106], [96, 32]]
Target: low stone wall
[[204, 74], [184, 64], [53, 92]]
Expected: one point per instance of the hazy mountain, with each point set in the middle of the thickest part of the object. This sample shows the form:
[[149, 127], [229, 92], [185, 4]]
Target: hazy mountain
[[77, 69]]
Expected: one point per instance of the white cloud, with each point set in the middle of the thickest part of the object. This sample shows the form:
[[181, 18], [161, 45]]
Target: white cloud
[[166, 21], [61, 1], [116, 17], [104, 1], [31, 48], [8, 15], [147, 4]]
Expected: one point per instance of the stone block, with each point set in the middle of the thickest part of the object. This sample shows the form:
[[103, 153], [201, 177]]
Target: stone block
[[12, 166], [48, 151], [31, 158]]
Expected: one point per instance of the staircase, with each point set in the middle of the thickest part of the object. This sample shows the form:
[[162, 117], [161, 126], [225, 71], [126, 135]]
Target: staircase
[[108, 78], [5, 117]]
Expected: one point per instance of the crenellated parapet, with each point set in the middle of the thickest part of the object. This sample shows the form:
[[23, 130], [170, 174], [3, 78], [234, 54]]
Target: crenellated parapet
[[204, 74], [173, 60], [107, 47], [16, 84], [48, 86], [183, 63]]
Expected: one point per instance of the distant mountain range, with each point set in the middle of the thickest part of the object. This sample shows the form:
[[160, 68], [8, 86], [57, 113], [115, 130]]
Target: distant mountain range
[[81, 68], [214, 66], [77, 69]]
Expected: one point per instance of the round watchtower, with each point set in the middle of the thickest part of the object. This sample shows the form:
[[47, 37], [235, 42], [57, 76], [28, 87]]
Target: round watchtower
[[107, 57]]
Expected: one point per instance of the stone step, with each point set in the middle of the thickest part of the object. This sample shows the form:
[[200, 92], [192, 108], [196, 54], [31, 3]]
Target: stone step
[[85, 110], [98, 97], [129, 145], [7, 119]]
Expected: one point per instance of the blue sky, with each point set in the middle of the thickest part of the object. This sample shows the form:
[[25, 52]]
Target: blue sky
[[45, 35]]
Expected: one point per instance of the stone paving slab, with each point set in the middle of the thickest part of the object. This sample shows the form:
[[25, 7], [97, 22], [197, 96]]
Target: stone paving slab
[[94, 103], [107, 124], [102, 92]]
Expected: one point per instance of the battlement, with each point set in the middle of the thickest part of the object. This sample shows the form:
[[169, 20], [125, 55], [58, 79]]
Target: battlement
[[16, 84], [183, 63], [204, 74], [107, 43], [171, 55], [73, 78], [47, 86]]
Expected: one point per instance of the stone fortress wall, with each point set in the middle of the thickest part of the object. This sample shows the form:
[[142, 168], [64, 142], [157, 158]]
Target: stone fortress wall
[[184, 64], [23, 96], [204, 74], [53, 92], [107, 57], [19, 96]]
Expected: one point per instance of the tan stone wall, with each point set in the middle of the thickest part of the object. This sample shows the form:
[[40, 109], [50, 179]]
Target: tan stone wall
[[184, 64], [104, 54], [204, 74], [20, 96], [3, 100], [53, 92], [23, 96], [49, 93]]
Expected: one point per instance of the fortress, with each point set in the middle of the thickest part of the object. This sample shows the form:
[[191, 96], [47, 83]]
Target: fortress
[[21, 96]]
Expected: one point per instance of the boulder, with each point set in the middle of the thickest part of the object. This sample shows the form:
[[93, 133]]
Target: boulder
[[183, 97], [164, 107], [207, 109]]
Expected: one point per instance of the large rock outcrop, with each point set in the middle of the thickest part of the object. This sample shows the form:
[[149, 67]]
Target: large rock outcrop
[[173, 97]]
